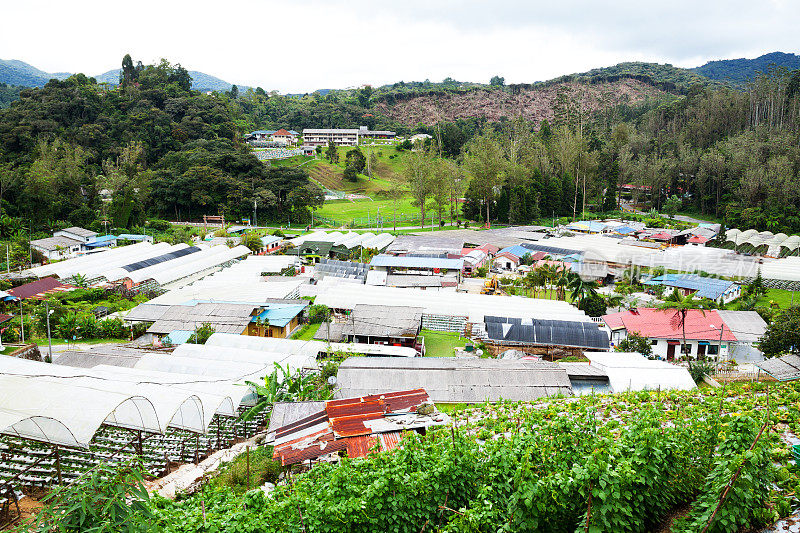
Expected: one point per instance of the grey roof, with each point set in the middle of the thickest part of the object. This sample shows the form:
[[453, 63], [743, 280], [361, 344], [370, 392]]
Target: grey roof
[[114, 355], [375, 321], [317, 131], [285, 413], [83, 232], [529, 331], [416, 262], [747, 326], [341, 269], [53, 243], [224, 317], [453, 380], [441, 241], [583, 371], [146, 312], [786, 368]]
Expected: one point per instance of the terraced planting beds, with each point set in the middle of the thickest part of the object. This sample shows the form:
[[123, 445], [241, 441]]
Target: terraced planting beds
[[617, 463]]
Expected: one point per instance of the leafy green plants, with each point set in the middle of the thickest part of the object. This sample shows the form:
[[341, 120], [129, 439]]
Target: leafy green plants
[[104, 500]]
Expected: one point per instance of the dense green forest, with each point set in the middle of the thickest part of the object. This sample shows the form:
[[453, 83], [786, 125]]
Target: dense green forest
[[8, 94], [729, 154], [152, 147], [152, 144]]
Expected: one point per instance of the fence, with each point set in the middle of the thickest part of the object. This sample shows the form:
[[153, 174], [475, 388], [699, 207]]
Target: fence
[[733, 374], [386, 222]]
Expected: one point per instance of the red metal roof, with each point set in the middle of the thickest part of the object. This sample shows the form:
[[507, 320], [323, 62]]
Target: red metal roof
[[39, 288], [352, 424], [661, 237], [697, 239], [666, 324], [5, 318], [282, 132]]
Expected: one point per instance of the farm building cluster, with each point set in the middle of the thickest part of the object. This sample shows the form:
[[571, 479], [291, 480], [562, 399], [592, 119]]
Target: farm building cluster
[[382, 306]]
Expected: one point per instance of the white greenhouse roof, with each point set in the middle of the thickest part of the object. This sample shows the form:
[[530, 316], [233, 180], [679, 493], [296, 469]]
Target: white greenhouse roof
[[245, 291], [472, 306], [305, 348], [227, 353], [633, 372], [65, 269]]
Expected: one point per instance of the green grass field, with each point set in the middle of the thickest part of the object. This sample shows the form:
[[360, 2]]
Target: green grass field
[[781, 297], [442, 343], [308, 333]]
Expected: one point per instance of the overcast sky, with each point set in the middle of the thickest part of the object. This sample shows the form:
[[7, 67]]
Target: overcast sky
[[300, 46]]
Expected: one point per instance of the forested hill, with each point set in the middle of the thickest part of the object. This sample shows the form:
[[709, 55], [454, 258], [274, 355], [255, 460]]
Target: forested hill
[[15, 72], [200, 81], [738, 72]]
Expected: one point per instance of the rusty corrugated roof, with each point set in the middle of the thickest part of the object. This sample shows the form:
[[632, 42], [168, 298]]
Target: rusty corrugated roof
[[355, 425]]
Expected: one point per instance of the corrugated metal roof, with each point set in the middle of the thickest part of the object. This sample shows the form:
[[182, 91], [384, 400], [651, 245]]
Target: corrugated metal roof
[[224, 317], [455, 380], [711, 288], [146, 312], [39, 288], [786, 368], [357, 425]]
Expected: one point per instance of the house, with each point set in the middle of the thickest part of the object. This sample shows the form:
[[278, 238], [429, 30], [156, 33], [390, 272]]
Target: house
[[285, 137], [277, 319], [270, 243], [720, 290], [79, 234], [708, 333], [377, 324], [55, 248], [506, 261]]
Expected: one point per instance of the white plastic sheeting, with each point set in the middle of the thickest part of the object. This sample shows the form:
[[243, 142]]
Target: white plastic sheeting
[[251, 269], [88, 262], [348, 240], [222, 370], [65, 414], [117, 273], [309, 349], [217, 256], [295, 361], [633, 372], [246, 291], [472, 306]]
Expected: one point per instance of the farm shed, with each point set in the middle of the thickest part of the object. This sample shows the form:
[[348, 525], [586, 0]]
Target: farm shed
[[454, 380]]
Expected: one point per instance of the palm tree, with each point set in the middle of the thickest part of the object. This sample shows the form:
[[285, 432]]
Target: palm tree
[[80, 281], [562, 281], [580, 288]]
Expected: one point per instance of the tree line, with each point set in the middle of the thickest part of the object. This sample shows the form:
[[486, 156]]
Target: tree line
[[77, 152]]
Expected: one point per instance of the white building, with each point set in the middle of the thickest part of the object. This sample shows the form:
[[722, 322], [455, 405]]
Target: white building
[[321, 137]]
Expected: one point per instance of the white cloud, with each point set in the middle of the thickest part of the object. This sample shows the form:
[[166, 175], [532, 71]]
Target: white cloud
[[306, 45]]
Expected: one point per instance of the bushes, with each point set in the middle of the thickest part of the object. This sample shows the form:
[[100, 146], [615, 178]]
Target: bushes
[[318, 314], [263, 469]]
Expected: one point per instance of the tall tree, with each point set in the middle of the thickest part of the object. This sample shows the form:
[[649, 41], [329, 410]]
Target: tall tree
[[418, 176], [485, 163]]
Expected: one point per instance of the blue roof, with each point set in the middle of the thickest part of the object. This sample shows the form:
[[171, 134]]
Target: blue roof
[[134, 237], [517, 250], [280, 314], [179, 336], [100, 241], [710, 288], [263, 132], [625, 230], [416, 262], [293, 132]]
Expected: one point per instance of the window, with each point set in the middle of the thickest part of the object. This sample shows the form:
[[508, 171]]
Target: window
[[686, 349], [654, 342], [713, 349]]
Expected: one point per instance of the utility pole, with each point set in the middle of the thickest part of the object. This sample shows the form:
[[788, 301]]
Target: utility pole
[[255, 212], [21, 321], [49, 342]]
